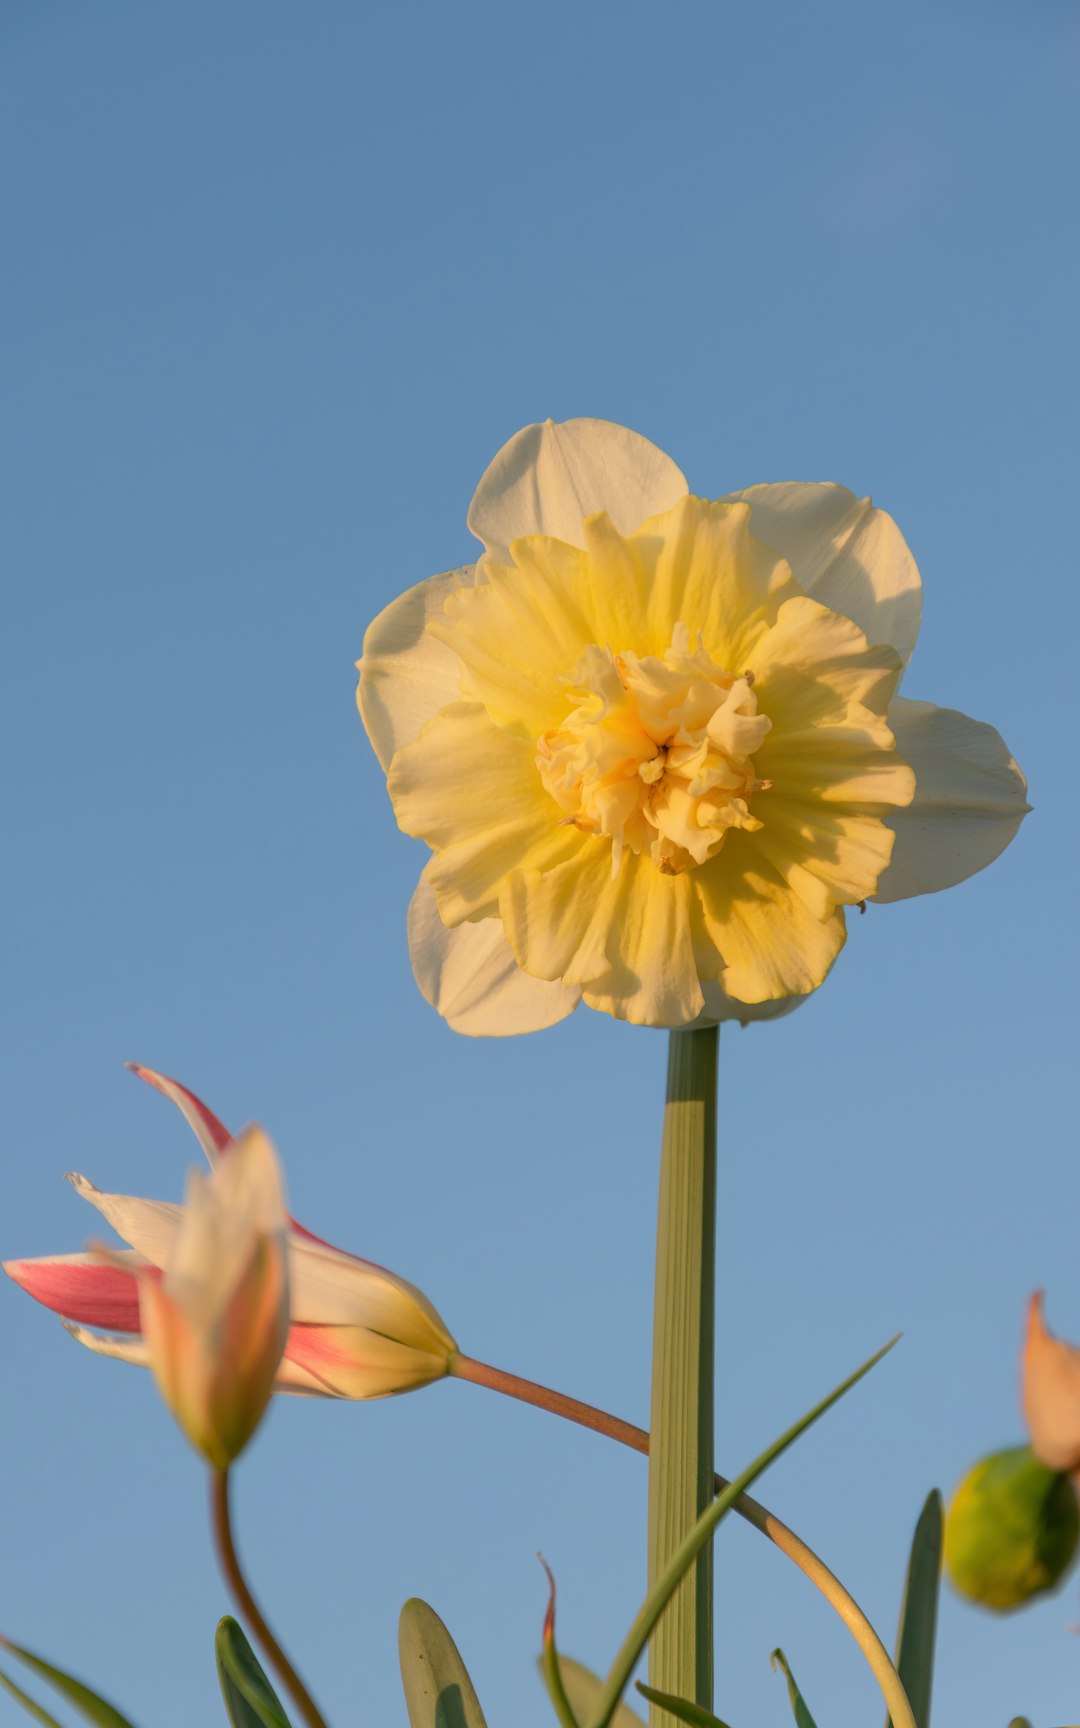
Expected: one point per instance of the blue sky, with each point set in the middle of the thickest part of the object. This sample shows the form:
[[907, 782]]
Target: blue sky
[[277, 283]]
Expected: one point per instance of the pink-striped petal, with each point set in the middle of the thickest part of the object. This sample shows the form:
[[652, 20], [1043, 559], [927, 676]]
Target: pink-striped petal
[[211, 1134], [81, 1288], [214, 1137]]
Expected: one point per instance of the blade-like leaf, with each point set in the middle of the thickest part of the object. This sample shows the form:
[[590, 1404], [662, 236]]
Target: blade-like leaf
[[438, 1691], [918, 1613], [583, 1688], [691, 1546], [550, 1665], [250, 1700], [803, 1718], [29, 1705], [680, 1708], [95, 1709]]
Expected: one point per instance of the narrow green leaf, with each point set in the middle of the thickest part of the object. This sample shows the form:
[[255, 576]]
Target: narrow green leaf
[[95, 1709], [582, 1688], [250, 1700], [691, 1546], [438, 1691], [550, 1665], [918, 1613], [803, 1718], [680, 1708], [32, 1709]]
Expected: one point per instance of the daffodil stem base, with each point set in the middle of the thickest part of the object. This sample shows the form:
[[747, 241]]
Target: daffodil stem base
[[230, 1565], [681, 1426]]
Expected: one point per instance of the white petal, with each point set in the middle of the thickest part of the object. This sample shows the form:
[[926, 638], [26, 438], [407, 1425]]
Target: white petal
[[150, 1227], [333, 1289], [472, 978], [969, 799], [406, 676], [102, 1344], [845, 553], [291, 1377], [549, 477], [719, 1006]]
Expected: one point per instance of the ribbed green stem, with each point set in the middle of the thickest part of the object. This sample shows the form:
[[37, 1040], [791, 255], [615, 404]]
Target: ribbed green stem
[[681, 1448]]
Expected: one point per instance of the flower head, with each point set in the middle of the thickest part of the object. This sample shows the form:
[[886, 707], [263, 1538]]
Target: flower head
[[216, 1314], [1012, 1530], [1013, 1526], [354, 1330], [655, 742]]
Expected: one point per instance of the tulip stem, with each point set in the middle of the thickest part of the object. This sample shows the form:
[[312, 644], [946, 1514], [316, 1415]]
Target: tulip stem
[[784, 1538], [230, 1565]]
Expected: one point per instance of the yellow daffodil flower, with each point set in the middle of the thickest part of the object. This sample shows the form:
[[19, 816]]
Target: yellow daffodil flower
[[655, 742]]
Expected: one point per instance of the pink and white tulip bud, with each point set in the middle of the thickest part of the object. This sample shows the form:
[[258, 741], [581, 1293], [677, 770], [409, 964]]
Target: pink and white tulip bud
[[1051, 1389], [216, 1317]]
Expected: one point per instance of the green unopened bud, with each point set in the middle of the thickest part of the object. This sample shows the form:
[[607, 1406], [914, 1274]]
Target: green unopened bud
[[1012, 1530]]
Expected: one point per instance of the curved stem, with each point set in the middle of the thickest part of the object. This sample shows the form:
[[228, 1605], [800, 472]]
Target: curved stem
[[230, 1565], [809, 1563]]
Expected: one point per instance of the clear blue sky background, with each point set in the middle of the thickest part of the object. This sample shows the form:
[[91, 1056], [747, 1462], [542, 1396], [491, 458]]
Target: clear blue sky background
[[277, 281]]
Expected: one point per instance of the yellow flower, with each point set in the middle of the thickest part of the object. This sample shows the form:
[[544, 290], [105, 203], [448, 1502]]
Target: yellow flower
[[655, 742]]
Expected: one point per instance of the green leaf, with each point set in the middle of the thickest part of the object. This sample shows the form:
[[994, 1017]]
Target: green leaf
[[95, 1709], [438, 1691], [680, 1708], [1019, 1722], [250, 1700], [918, 1613], [550, 1664], [803, 1718], [582, 1688], [692, 1544], [32, 1709]]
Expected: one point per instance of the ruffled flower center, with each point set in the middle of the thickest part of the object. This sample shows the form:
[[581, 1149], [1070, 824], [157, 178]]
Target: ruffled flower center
[[656, 753]]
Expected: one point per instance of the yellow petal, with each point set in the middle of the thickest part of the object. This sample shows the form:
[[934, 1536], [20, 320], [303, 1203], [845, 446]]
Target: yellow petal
[[720, 1007], [472, 791], [518, 635], [770, 941], [1051, 1384], [845, 553], [816, 668], [970, 798], [549, 477], [624, 940], [351, 1362], [704, 568], [828, 855], [470, 975], [406, 673]]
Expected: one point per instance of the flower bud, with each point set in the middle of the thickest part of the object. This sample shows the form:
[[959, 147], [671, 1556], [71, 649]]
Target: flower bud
[[215, 1323], [1012, 1530], [1051, 1385]]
